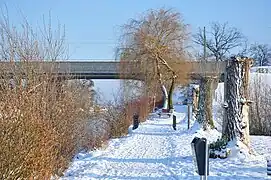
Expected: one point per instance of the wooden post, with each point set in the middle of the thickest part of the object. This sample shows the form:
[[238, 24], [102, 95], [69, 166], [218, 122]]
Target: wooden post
[[174, 122], [188, 116], [268, 167], [135, 121], [154, 99], [204, 46]]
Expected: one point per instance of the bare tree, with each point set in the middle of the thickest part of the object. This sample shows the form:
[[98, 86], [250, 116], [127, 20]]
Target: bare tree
[[261, 54], [219, 40], [155, 43], [244, 49]]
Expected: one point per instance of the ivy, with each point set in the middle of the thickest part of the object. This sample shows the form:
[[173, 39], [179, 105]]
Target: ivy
[[218, 149]]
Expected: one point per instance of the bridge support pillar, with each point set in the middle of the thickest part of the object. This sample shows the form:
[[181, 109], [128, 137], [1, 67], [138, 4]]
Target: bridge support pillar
[[205, 108]]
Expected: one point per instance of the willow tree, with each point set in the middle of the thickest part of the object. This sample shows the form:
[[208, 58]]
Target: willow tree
[[155, 44]]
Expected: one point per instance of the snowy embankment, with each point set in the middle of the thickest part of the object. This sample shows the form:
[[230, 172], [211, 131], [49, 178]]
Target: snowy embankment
[[156, 151]]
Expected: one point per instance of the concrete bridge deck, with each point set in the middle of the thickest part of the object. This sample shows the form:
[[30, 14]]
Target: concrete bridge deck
[[103, 69]]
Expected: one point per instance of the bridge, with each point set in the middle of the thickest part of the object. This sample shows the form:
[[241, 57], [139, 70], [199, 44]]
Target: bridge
[[104, 69]]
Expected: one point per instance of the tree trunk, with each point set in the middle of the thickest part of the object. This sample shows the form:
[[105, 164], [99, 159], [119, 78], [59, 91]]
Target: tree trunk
[[205, 116], [170, 94], [164, 90], [165, 97], [236, 122], [169, 97]]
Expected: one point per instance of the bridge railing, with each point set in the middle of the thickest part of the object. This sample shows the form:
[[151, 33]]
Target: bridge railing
[[83, 67], [104, 67], [65, 66]]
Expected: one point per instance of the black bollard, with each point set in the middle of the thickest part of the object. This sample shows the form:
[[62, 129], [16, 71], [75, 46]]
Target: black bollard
[[269, 167], [174, 122], [135, 121], [200, 152]]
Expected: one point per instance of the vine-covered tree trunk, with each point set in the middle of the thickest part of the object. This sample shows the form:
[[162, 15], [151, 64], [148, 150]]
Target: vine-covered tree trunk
[[236, 122], [205, 116]]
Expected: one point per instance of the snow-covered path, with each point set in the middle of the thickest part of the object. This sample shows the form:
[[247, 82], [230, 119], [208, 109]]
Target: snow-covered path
[[156, 151]]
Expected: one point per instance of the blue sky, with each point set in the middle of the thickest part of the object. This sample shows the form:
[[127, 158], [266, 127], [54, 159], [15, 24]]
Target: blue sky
[[92, 27]]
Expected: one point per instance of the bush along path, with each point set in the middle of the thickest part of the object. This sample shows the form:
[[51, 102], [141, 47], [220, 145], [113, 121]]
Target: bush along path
[[156, 151]]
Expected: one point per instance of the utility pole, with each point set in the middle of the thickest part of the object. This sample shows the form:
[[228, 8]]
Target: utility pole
[[204, 46]]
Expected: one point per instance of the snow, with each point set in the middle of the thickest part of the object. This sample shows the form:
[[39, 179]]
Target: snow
[[156, 151]]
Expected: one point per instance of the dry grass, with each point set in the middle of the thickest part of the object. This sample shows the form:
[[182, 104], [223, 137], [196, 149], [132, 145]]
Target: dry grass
[[42, 126], [119, 114], [43, 119], [45, 123]]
